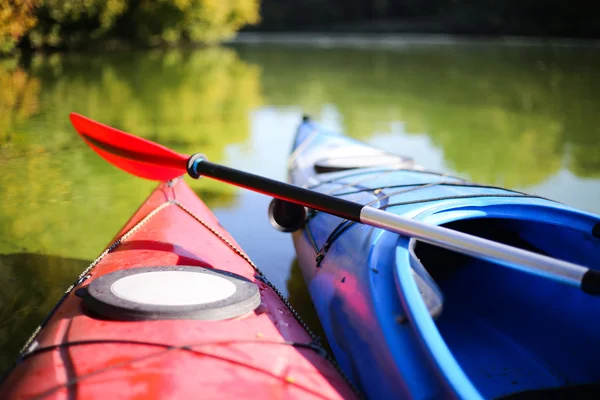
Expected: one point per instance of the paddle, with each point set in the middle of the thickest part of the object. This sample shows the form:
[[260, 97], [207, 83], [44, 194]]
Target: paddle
[[150, 160]]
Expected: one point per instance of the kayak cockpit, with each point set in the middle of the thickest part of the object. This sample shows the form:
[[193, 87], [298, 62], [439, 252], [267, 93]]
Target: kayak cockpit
[[510, 331]]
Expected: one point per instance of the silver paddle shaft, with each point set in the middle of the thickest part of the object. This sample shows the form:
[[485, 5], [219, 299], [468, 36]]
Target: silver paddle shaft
[[509, 256]]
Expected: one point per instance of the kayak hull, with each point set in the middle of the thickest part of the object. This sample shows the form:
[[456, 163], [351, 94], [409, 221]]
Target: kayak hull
[[406, 320], [266, 352]]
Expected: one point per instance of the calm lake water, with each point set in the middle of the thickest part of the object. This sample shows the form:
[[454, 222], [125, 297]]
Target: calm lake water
[[520, 117]]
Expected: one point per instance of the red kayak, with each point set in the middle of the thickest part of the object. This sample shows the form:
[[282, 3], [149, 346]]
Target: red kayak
[[173, 309]]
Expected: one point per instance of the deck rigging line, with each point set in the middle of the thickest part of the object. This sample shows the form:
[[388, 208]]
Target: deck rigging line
[[404, 188], [166, 348]]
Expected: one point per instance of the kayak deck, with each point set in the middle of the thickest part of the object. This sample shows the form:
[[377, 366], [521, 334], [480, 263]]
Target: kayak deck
[[267, 352], [424, 322]]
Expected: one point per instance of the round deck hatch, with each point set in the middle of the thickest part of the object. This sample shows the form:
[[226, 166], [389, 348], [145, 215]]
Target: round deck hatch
[[171, 292], [338, 164]]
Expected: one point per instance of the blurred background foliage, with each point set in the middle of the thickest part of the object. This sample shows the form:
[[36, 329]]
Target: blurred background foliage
[[60, 24], [481, 17], [17, 17]]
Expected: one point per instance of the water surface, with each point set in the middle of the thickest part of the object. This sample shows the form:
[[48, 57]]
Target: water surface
[[520, 117]]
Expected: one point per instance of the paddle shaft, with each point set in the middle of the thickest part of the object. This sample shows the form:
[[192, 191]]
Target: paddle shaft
[[566, 272], [281, 190]]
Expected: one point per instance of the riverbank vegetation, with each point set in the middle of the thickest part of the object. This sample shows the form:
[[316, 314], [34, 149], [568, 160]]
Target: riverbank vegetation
[[68, 24]]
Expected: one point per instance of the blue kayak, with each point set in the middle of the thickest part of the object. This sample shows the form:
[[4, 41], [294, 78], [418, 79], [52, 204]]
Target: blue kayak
[[407, 319]]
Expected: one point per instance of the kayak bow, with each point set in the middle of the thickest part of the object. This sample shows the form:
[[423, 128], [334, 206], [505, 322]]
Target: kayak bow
[[173, 308]]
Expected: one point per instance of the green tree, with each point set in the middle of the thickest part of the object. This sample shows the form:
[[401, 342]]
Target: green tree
[[72, 23], [80, 23], [204, 21], [17, 17]]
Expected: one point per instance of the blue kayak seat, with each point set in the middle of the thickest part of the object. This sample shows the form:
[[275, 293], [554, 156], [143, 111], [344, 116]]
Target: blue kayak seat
[[430, 263], [429, 290], [442, 264], [586, 391]]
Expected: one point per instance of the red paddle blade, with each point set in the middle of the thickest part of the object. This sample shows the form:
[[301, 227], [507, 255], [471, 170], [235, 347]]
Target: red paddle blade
[[138, 156]]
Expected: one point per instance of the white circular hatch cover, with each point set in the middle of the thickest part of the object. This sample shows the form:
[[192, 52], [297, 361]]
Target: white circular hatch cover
[[171, 292], [173, 288]]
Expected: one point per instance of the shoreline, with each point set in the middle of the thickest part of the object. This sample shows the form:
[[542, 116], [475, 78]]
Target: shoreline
[[366, 40], [401, 40]]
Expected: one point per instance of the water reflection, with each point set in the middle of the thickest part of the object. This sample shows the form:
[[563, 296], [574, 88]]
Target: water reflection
[[52, 183], [299, 298], [19, 99], [505, 115], [31, 285]]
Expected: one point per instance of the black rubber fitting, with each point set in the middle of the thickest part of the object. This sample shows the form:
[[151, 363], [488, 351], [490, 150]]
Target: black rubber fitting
[[100, 300], [596, 230], [286, 216], [590, 283], [190, 164]]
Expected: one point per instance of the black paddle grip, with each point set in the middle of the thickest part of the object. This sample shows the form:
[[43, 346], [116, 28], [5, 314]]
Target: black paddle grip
[[198, 166], [590, 283]]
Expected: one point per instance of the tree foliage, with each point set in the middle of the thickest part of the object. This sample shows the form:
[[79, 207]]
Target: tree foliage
[[77, 23], [70, 23], [205, 21], [17, 17]]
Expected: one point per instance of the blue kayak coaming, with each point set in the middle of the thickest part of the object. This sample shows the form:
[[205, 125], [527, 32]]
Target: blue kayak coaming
[[406, 319]]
